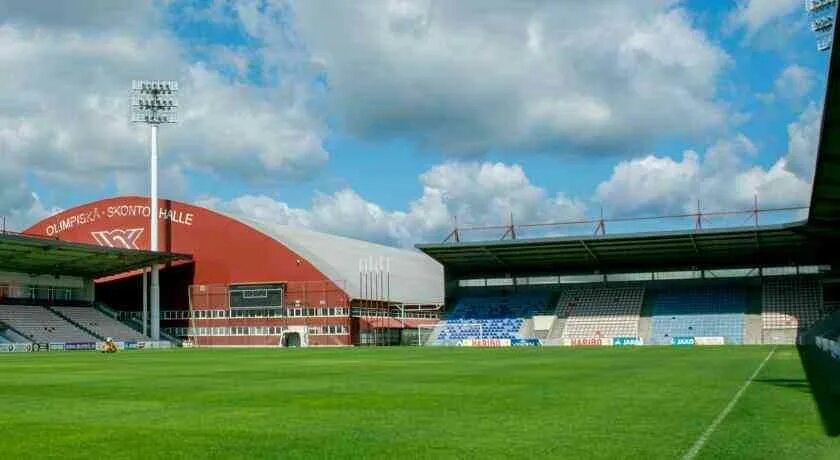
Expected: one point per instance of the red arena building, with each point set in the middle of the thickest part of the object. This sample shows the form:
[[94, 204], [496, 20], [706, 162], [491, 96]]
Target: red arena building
[[250, 284]]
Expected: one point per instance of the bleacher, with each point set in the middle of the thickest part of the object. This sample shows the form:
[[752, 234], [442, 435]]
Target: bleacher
[[600, 311], [100, 323], [791, 302], [713, 311], [490, 317], [41, 325]]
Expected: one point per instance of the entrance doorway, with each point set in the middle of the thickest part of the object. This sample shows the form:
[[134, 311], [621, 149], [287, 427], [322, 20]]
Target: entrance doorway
[[291, 340]]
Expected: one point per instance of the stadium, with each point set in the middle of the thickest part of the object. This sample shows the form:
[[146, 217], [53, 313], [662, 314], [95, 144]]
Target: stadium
[[277, 341]]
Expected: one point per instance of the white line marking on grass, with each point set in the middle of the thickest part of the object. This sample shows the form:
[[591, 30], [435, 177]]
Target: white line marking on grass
[[701, 441]]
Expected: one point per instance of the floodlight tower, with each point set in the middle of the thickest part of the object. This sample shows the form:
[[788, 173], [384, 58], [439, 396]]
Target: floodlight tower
[[823, 14], [154, 102]]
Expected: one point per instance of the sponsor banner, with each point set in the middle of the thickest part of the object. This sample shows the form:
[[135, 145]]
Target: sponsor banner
[[72, 346], [492, 343], [709, 341], [682, 341], [154, 344], [130, 345], [588, 342], [15, 347], [56, 346], [525, 342], [627, 341], [40, 347]]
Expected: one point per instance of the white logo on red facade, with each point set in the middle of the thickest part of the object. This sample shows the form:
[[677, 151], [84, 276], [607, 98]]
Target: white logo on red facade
[[118, 238]]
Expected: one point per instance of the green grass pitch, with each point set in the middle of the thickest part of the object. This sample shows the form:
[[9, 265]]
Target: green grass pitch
[[640, 403]]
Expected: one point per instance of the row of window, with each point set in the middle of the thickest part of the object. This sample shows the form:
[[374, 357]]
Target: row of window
[[237, 331], [643, 276], [223, 314], [395, 313], [39, 292]]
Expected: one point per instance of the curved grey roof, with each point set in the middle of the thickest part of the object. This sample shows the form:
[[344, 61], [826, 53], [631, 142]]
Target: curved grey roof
[[415, 278]]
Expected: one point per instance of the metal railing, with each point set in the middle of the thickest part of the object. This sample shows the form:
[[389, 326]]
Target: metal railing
[[700, 219]]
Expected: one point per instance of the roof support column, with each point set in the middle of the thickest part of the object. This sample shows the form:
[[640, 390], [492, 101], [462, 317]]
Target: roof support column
[[145, 302], [155, 301]]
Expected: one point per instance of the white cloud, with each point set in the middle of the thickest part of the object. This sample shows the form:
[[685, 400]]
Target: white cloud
[[803, 136], [753, 15], [474, 76], [21, 207], [63, 110], [792, 84], [477, 193], [720, 178], [795, 82], [650, 183]]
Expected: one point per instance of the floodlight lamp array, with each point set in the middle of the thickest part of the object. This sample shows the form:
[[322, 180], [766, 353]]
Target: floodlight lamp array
[[818, 5], [823, 13], [822, 24], [154, 101]]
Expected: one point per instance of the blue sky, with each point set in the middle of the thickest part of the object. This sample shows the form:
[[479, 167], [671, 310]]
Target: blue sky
[[385, 120]]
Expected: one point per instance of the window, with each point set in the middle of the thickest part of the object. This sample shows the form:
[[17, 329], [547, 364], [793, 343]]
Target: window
[[472, 283], [582, 279], [255, 294], [677, 275]]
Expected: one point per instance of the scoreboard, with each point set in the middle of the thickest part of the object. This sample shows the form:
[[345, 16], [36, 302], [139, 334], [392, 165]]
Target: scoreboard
[[256, 296]]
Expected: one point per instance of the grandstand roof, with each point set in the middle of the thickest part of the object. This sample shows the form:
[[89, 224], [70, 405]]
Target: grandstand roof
[[825, 200], [414, 277], [777, 245], [36, 255]]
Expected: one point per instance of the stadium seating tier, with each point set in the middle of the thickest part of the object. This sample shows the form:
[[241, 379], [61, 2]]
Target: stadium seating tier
[[699, 312], [491, 317], [41, 325], [600, 311], [100, 323]]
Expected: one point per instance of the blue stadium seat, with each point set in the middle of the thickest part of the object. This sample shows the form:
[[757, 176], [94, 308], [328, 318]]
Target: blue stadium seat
[[699, 312], [492, 317]]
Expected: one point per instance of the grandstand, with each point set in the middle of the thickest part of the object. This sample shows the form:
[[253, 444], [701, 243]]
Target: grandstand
[[38, 324], [596, 311], [47, 289], [663, 287], [699, 312], [100, 324], [791, 303], [492, 317], [736, 310]]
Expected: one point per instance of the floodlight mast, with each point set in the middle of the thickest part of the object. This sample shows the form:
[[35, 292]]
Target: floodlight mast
[[154, 102]]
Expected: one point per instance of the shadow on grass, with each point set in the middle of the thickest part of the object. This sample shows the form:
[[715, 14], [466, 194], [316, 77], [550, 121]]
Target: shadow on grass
[[823, 374], [795, 384]]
